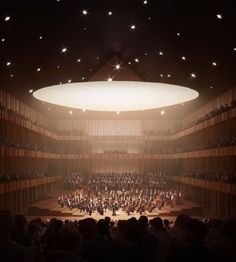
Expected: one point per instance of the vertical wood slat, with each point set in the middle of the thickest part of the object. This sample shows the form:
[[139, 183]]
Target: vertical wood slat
[[217, 198], [17, 196]]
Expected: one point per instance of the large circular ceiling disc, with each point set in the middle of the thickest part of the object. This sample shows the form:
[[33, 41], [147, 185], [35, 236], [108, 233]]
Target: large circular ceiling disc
[[115, 95]]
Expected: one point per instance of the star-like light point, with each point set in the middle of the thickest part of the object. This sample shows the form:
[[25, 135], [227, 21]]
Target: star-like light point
[[7, 18], [117, 66], [133, 27], [109, 79]]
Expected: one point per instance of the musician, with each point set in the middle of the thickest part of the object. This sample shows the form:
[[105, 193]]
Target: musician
[[100, 209], [113, 210]]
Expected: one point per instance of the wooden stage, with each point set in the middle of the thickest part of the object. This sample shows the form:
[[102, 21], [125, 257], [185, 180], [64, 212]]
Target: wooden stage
[[49, 208]]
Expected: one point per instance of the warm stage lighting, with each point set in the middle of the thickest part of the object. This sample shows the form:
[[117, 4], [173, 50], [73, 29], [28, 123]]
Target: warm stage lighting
[[115, 95]]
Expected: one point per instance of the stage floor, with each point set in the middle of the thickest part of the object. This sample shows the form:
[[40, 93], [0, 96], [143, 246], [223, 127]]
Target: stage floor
[[49, 208]]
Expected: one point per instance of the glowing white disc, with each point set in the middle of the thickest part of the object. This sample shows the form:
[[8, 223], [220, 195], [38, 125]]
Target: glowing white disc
[[115, 95]]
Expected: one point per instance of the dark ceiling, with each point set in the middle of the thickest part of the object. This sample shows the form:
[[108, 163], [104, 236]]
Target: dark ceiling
[[190, 43]]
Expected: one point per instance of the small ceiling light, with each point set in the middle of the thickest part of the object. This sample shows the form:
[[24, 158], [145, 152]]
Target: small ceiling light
[[193, 75], [211, 87], [117, 67], [169, 75], [133, 27], [117, 112], [145, 2], [31, 91], [161, 75], [69, 81], [160, 53], [3, 39], [38, 69], [84, 12], [219, 16], [109, 79], [40, 38], [178, 34], [64, 50], [162, 112], [110, 13], [214, 63], [70, 112], [183, 57], [8, 63], [7, 18], [136, 60], [83, 109]]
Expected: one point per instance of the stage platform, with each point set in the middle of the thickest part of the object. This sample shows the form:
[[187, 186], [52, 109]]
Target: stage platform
[[49, 208]]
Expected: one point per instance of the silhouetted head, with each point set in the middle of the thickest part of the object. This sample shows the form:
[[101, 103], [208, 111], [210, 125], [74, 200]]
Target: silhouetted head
[[228, 229], [157, 223], [196, 231], [166, 222], [87, 228], [103, 227], [143, 221], [20, 222], [6, 221], [133, 230]]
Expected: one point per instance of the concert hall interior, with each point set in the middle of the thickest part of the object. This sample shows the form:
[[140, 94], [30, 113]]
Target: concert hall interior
[[117, 130]]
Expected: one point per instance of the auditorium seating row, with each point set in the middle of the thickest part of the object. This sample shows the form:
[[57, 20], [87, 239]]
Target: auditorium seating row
[[215, 152], [12, 110], [26, 123], [217, 136]]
